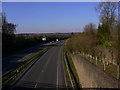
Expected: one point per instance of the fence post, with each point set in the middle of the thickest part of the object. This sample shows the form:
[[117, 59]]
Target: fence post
[[96, 60], [104, 66]]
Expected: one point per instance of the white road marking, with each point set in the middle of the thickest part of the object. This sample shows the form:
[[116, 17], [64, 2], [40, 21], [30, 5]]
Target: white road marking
[[69, 72], [57, 74], [36, 85], [64, 75]]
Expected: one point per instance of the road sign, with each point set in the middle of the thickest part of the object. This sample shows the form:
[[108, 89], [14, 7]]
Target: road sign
[[44, 38], [57, 40]]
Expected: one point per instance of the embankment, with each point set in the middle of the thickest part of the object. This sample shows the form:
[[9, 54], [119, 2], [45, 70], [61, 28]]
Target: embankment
[[91, 76]]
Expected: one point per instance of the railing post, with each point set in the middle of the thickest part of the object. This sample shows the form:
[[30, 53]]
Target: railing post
[[104, 66]]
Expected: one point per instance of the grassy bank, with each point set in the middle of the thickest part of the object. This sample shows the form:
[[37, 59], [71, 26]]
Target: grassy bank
[[66, 72], [72, 71]]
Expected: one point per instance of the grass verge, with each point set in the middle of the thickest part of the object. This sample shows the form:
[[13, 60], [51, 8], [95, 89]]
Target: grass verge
[[72, 69], [66, 74]]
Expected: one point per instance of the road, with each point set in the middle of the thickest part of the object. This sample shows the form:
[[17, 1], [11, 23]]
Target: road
[[47, 72], [14, 59]]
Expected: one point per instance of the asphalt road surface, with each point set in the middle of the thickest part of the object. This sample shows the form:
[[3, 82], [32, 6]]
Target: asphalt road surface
[[47, 72], [13, 60]]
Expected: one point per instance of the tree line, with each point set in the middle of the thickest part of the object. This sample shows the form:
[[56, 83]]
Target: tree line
[[105, 35], [12, 42]]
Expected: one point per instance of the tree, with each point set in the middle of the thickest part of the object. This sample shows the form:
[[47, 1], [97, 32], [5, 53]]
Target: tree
[[8, 36], [103, 34], [108, 19], [90, 37], [8, 28], [0, 22], [107, 12], [90, 28]]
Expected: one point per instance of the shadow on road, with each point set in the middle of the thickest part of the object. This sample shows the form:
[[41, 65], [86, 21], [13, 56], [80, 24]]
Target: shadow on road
[[12, 61]]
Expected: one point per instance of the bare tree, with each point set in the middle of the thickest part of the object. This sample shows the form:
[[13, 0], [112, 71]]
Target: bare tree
[[0, 21], [90, 28], [9, 28], [107, 12], [108, 17]]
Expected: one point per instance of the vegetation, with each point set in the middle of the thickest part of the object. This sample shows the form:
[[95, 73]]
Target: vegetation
[[104, 35], [83, 42], [108, 19], [68, 82], [100, 42], [13, 42], [8, 28], [72, 70]]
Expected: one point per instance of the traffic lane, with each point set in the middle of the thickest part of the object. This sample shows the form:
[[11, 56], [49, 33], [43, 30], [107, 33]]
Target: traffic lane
[[31, 77], [61, 76], [47, 72], [54, 78], [13, 60], [50, 73]]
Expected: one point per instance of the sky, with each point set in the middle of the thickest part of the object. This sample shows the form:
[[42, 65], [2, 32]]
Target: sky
[[59, 0], [50, 17]]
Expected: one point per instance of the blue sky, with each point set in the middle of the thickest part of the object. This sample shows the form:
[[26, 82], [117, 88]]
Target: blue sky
[[49, 17]]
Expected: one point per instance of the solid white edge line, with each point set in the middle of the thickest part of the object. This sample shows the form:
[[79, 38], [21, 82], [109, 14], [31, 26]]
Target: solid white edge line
[[69, 73], [57, 73], [64, 75]]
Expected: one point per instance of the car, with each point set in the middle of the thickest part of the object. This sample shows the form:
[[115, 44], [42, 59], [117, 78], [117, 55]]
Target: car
[[57, 40]]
